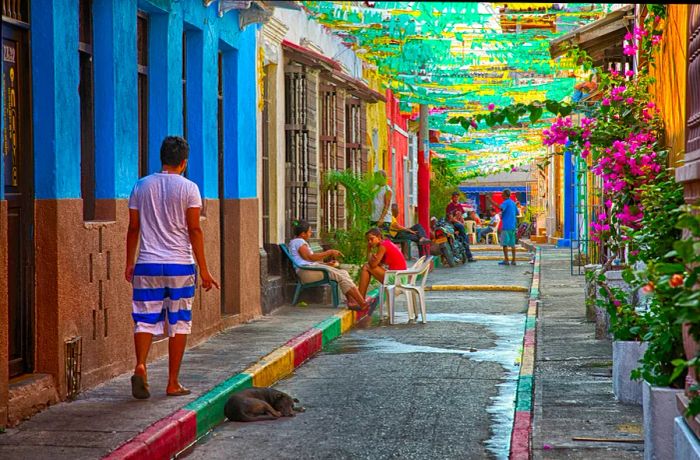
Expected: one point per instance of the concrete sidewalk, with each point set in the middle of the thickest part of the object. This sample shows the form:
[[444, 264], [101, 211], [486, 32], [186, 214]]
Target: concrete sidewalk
[[573, 376], [105, 417]]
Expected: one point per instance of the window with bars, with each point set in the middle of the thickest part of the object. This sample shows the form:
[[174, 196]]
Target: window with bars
[[333, 198], [354, 135], [16, 9], [300, 157], [87, 109], [142, 66], [693, 86]]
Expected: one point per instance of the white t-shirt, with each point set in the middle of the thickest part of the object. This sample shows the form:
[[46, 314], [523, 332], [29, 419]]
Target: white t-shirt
[[294, 247], [378, 205], [162, 201]]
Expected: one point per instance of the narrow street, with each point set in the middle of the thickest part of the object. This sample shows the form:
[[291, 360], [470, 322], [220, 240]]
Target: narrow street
[[444, 389]]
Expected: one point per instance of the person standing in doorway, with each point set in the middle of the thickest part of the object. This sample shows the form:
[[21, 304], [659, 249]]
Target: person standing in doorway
[[381, 203], [509, 223], [164, 210]]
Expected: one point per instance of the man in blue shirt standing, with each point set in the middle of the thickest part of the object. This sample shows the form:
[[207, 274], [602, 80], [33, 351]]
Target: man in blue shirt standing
[[509, 221]]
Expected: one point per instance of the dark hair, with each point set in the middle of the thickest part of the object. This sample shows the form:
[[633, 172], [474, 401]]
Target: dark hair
[[455, 193], [174, 150], [374, 232], [300, 226], [506, 192]]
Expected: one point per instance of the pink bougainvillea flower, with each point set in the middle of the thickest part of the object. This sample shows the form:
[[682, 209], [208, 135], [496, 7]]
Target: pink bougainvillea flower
[[473, 124], [629, 50], [491, 106], [630, 100], [629, 73], [655, 39], [606, 101]]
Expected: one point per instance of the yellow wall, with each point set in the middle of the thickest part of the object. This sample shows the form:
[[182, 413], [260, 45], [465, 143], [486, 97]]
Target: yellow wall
[[670, 73], [376, 118]]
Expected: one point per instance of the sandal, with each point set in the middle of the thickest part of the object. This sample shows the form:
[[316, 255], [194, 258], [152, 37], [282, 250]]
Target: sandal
[[139, 387], [182, 391]]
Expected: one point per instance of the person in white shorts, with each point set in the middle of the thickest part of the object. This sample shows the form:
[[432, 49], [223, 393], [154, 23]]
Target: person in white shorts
[[164, 212]]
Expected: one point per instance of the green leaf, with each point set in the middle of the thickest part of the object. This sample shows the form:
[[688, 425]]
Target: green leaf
[[536, 114], [552, 106], [564, 110], [512, 118]]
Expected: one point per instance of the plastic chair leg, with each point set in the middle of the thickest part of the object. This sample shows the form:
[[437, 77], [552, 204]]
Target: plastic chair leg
[[391, 306], [421, 297], [410, 306], [297, 292]]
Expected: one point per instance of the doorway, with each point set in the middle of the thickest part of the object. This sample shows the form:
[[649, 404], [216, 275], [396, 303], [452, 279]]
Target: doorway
[[19, 192]]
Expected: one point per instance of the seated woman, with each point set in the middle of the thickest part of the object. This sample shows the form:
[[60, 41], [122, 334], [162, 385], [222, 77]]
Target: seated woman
[[382, 255], [303, 255]]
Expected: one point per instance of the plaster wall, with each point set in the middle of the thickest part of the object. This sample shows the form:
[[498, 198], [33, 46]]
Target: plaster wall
[[310, 34], [81, 291]]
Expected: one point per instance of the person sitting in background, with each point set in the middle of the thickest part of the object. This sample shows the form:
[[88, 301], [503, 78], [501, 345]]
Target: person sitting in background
[[303, 255], [382, 255], [398, 232]]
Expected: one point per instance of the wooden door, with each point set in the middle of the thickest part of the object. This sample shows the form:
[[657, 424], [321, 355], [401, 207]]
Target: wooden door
[[19, 189]]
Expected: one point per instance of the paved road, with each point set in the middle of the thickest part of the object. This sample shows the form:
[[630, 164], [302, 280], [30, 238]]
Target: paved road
[[444, 389]]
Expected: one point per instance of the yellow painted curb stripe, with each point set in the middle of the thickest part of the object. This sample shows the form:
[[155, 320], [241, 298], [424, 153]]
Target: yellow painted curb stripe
[[527, 366], [493, 248], [272, 367], [517, 259], [347, 318], [468, 287]]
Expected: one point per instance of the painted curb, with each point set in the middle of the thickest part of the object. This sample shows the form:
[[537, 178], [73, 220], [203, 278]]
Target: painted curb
[[469, 287], [175, 432], [522, 423]]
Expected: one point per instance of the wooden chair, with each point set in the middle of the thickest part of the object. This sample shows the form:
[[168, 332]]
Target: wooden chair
[[300, 286]]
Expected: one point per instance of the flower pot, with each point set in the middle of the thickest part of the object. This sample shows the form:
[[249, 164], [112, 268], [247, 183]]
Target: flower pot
[[614, 280], [626, 356], [659, 405]]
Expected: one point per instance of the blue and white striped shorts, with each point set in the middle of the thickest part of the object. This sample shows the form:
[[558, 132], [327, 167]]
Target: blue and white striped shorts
[[160, 291]]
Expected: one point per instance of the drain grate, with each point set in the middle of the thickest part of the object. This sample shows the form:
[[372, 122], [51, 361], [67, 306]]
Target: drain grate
[[74, 365]]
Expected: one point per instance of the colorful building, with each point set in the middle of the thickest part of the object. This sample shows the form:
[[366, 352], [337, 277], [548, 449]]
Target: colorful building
[[90, 89]]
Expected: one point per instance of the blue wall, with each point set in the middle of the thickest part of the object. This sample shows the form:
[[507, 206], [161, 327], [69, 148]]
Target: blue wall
[[56, 105]]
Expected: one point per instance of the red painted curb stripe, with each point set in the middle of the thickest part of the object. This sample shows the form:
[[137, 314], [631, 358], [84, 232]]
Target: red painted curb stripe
[[529, 339], [162, 440], [304, 346], [520, 440]]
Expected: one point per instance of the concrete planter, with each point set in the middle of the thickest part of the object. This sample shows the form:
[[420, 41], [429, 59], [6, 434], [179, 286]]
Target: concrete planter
[[626, 356], [602, 324], [590, 292], [659, 405], [685, 444]]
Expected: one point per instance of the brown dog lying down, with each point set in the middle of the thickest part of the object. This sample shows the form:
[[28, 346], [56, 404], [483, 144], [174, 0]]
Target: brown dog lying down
[[259, 403]]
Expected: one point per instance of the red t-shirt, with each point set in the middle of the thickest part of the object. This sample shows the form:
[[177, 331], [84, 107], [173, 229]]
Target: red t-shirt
[[393, 257]]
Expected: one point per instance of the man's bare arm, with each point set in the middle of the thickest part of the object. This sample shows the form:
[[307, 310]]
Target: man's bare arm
[[197, 240]]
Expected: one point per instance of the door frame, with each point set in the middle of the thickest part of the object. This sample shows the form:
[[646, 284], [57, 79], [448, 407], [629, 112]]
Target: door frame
[[19, 32]]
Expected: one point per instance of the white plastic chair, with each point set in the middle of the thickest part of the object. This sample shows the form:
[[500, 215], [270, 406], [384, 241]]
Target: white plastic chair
[[387, 290], [415, 287]]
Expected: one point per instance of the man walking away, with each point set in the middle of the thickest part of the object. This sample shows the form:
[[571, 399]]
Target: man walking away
[[164, 221], [508, 225]]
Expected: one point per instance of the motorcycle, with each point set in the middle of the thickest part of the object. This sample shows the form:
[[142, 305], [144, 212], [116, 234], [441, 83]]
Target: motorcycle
[[446, 244]]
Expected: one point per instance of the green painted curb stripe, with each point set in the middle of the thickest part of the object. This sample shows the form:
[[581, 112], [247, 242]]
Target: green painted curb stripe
[[210, 406], [330, 328], [530, 322]]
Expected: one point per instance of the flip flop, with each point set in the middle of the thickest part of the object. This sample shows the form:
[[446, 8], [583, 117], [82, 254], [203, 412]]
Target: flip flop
[[181, 392], [139, 387], [354, 307], [373, 304]]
